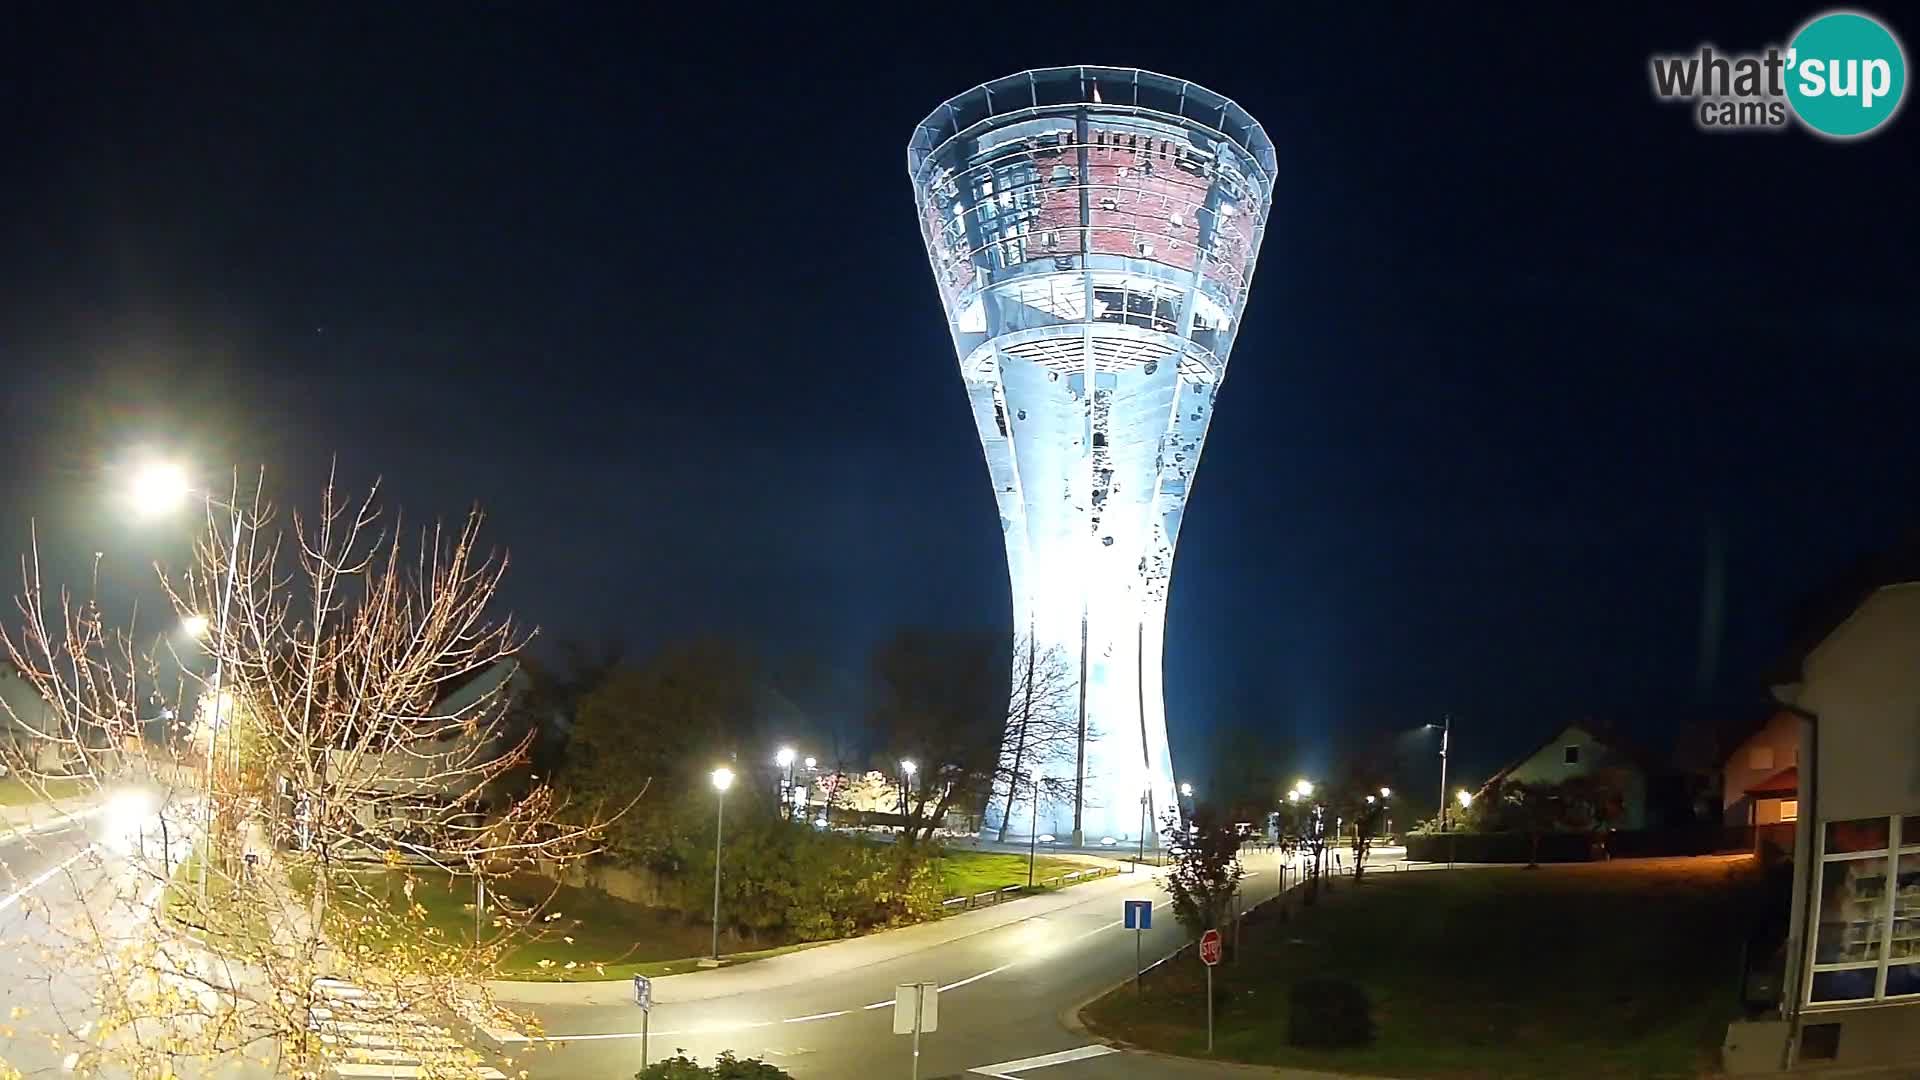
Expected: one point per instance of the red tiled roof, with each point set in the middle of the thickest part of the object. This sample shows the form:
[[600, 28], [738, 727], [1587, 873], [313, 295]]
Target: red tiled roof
[[1784, 782]]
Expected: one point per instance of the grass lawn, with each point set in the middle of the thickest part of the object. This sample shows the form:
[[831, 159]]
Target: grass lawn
[[15, 792], [234, 929], [970, 872], [1623, 969], [611, 938]]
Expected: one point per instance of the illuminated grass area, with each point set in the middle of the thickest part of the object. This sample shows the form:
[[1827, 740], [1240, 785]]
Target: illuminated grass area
[[15, 792], [964, 873], [1623, 969]]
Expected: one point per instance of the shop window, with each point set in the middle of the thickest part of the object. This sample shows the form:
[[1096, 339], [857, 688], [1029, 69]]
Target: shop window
[[1866, 943]]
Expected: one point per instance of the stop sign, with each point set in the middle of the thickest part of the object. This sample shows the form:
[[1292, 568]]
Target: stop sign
[[1210, 948]]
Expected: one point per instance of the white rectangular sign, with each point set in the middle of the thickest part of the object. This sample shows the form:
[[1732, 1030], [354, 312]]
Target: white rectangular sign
[[904, 1000]]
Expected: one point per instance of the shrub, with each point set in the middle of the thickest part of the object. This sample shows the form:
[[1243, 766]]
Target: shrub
[[790, 880], [727, 1067], [1328, 1013]]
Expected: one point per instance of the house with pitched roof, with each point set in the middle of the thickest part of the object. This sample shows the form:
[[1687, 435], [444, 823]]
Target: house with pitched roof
[[1583, 749]]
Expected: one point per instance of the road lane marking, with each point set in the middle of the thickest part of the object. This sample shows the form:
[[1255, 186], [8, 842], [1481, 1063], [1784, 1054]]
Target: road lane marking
[[40, 879], [887, 1004], [1044, 1060]]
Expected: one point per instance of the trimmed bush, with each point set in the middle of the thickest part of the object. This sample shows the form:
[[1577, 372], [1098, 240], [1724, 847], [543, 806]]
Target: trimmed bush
[[1328, 1014], [728, 1067]]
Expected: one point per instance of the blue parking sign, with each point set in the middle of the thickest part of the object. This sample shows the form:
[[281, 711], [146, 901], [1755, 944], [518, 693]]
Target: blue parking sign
[[1139, 914]]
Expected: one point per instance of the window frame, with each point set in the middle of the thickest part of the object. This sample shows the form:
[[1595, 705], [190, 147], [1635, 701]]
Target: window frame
[[1570, 754], [1789, 810], [1897, 846]]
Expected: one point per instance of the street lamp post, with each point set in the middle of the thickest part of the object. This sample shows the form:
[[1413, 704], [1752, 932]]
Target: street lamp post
[[784, 759], [1141, 860], [722, 780], [907, 768], [1033, 839], [158, 489], [1446, 731]]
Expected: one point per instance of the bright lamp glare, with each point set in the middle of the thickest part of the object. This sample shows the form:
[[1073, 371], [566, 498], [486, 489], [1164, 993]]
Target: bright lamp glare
[[194, 626], [907, 766], [159, 488], [1186, 790], [811, 763], [1386, 793], [722, 779], [126, 817], [1304, 787], [1465, 797], [785, 757]]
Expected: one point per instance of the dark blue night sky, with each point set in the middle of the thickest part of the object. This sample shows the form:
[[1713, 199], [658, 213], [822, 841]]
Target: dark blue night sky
[[1522, 343]]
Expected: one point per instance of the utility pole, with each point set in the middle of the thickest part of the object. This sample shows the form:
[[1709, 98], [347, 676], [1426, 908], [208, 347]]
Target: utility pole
[[1446, 730]]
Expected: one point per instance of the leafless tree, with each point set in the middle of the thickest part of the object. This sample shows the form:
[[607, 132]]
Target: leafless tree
[[342, 752], [1042, 728]]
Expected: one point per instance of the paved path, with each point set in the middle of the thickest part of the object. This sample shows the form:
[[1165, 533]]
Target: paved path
[[1006, 976]]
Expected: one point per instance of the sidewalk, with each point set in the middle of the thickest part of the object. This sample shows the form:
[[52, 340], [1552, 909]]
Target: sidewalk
[[40, 816], [822, 962]]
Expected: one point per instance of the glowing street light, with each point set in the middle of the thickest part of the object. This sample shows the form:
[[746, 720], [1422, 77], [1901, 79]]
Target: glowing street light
[[722, 780], [784, 759], [1386, 793], [1465, 797], [810, 763], [1304, 787], [159, 487], [907, 769], [1186, 791], [194, 626]]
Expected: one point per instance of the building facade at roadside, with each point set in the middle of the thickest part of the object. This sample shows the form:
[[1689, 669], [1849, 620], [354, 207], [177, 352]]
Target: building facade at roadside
[[1760, 779], [1851, 988], [1093, 233]]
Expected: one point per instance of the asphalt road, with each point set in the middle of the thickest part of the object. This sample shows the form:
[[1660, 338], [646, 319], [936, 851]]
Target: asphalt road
[[42, 1000], [1003, 994]]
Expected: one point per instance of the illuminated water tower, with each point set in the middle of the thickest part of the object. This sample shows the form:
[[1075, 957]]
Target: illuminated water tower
[[1093, 233]]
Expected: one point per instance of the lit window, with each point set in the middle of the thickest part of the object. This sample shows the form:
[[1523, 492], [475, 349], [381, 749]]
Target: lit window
[[1789, 809], [1572, 756], [1867, 943], [1760, 757]]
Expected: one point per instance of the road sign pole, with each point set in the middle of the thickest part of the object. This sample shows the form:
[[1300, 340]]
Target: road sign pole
[[1136, 961], [643, 997], [919, 1010], [1209, 1008]]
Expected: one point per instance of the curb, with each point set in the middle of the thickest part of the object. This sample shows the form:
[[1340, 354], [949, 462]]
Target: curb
[[936, 920]]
